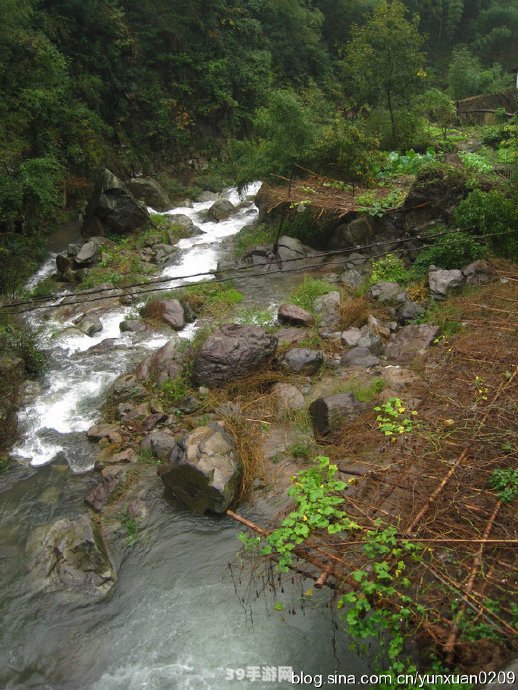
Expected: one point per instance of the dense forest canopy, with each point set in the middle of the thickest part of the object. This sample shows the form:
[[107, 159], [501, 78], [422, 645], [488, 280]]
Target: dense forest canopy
[[142, 85]]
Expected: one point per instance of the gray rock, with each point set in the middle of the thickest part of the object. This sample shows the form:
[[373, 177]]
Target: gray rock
[[296, 316], [169, 311], [371, 341], [99, 431], [385, 291], [410, 311], [330, 412], [70, 554], [328, 309], [441, 281], [288, 398], [204, 471], [357, 232], [64, 263], [291, 248], [113, 479], [231, 353], [221, 210], [88, 255], [478, 273], [355, 259], [90, 325], [113, 209], [351, 336], [290, 336], [181, 220], [165, 363], [379, 327], [359, 357], [150, 192], [410, 342], [352, 278], [132, 326], [302, 360], [104, 346], [127, 387], [510, 680], [160, 443]]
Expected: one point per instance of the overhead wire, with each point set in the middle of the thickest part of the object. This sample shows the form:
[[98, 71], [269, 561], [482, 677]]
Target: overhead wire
[[12, 308]]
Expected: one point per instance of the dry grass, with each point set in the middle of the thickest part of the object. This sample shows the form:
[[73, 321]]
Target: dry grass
[[354, 311]]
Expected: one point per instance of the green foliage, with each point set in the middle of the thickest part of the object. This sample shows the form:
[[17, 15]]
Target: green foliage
[[491, 212], [19, 339], [384, 59], [175, 390], [474, 162], [408, 163], [451, 250], [286, 134], [466, 77], [251, 236], [366, 394], [389, 268], [307, 292], [131, 527], [316, 493], [256, 317], [211, 298], [438, 107], [505, 483], [347, 150], [375, 205], [391, 419]]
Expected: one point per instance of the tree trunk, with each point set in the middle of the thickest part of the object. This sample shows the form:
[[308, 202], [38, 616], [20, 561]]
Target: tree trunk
[[392, 121]]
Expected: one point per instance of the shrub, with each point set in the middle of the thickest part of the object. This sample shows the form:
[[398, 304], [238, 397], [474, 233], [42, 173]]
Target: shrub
[[491, 212], [210, 298], [18, 339], [307, 292], [389, 268], [475, 163], [449, 251]]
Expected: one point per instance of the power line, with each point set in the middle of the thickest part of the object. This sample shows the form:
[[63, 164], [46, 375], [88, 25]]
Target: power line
[[168, 279], [263, 274]]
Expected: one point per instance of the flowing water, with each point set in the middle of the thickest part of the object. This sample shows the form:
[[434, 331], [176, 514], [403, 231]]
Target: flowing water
[[173, 619]]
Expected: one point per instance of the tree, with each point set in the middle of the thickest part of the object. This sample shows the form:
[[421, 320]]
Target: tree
[[384, 59]]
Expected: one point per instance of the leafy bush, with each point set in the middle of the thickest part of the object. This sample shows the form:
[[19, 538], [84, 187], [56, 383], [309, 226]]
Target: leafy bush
[[18, 339], [210, 298], [388, 268], [449, 251], [407, 163], [307, 292], [476, 163], [491, 212]]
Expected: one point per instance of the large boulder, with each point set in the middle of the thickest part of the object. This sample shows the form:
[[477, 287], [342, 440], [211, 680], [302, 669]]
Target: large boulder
[[410, 342], [288, 398], [70, 555], [432, 198], [203, 470], [441, 281], [294, 315], [165, 363], [360, 357], [385, 291], [302, 360], [357, 232], [113, 209], [221, 210], [160, 443], [169, 311], [328, 309], [330, 412], [150, 192], [231, 353], [289, 248]]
